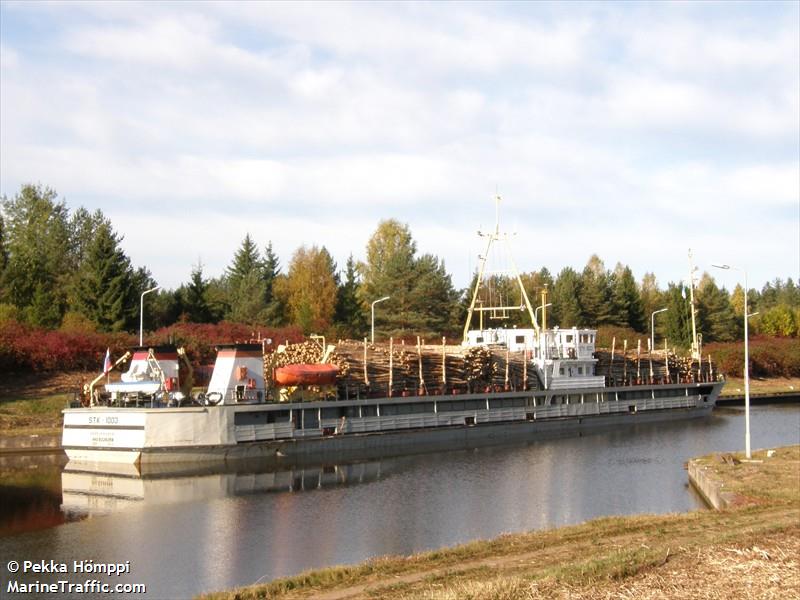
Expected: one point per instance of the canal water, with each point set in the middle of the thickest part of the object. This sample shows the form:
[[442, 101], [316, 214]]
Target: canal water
[[190, 532]]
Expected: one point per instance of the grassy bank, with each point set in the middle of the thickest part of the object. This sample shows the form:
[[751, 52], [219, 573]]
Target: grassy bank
[[734, 386], [33, 416], [750, 551]]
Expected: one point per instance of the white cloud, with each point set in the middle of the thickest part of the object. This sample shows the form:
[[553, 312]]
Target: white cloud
[[614, 131]]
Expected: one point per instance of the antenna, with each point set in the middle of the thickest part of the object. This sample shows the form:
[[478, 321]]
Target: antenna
[[496, 236]]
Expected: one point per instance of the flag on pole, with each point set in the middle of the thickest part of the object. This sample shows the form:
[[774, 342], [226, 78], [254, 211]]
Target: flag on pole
[[107, 361]]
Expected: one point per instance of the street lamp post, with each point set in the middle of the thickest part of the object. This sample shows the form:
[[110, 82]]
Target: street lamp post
[[746, 362], [653, 329], [538, 308], [372, 328], [141, 313]]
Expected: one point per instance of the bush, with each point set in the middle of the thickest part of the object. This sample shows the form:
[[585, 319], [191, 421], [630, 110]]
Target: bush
[[27, 348], [769, 357]]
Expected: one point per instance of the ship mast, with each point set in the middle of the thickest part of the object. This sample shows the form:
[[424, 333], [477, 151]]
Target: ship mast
[[491, 238], [695, 343]]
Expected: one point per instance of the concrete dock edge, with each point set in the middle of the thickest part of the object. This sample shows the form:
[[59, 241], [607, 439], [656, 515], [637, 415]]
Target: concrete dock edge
[[709, 486]]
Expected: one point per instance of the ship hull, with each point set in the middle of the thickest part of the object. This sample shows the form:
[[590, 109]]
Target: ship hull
[[282, 432]]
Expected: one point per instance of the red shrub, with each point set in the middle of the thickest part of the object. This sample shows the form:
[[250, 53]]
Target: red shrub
[[24, 348], [769, 357]]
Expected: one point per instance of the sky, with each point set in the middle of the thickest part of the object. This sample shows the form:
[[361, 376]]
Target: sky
[[631, 130]]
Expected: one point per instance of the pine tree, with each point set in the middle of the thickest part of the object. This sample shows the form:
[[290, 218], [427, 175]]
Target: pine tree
[[715, 317], [271, 268], [350, 314], [195, 305], [389, 271], [565, 298], [36, 243], [105, 292], [432, 296], [628, 309], [245, 261], [677, 319], [595, 294], [247, 290]]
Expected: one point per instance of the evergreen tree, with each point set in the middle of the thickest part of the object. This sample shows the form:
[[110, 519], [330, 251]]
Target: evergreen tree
[[37, 246], [195, 305], [350, 314], [246, 286], [677, 319], [271, 268], [106, 293], [44, 310], [565, 298], [389, 271], [82, 227], [715, 317], [246, 261], [247, 299], [651, 295], [595, 294], [626, 301], [433, 297]]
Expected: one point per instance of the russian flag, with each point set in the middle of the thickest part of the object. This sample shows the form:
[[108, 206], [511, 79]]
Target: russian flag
[[107, 361]]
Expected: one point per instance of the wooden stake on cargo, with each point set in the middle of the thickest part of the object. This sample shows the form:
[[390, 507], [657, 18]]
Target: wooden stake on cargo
[[391, 356], [366, 377], [611, 364], [638, 358], [444, 362], [419, 359], [525, 367], [624, 361]]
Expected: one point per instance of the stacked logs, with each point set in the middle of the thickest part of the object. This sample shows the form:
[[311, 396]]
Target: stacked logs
[[303, 353], [398, 369], [627, 369]]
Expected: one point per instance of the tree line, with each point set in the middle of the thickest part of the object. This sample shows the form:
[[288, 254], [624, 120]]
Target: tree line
[[66, 269]]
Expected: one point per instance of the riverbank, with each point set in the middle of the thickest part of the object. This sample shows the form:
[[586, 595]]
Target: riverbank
[[747, 550]]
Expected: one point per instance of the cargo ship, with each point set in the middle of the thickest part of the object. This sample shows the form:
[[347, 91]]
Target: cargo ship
[[497, 385]]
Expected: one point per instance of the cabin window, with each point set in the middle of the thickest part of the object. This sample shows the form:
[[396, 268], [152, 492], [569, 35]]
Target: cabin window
[[520, 339], [580, 370], [561, 371], [371, 410], [479, 340], [569, 339]]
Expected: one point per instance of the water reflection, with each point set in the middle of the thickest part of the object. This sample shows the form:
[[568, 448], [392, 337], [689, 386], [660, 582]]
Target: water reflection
[[103, 488], [191, 530], [30, 492]]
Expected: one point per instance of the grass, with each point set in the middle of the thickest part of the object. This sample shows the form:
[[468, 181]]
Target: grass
[[734, 386], [28, 416], [615, 557]]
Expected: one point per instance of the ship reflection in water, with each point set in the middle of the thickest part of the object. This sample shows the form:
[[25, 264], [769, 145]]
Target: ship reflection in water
[[103, 488], [189, 530]]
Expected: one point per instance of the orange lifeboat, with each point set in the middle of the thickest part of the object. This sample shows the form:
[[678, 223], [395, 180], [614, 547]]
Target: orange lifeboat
[[306, 374]]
